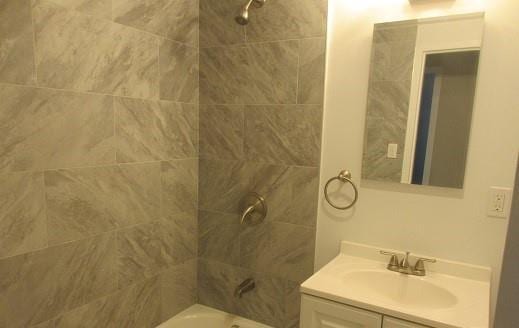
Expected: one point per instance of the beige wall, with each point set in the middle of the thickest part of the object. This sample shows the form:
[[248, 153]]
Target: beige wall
[[261, 91], [452, 130], [420, 219], [98, 161]]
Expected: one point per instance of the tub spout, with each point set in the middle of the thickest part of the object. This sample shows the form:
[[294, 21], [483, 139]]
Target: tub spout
[[246, 286]]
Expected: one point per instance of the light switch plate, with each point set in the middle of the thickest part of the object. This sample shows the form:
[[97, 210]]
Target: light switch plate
[[392, 150], [499, 201]]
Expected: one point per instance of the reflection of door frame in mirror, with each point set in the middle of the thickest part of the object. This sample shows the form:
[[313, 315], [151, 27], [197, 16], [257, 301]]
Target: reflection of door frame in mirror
[[453, 43]]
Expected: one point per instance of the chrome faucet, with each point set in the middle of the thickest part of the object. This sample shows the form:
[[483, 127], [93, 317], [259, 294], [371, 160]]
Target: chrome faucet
[[404, 266], [246, 286]]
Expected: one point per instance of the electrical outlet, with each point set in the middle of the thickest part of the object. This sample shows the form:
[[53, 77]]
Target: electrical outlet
[[499, 200]]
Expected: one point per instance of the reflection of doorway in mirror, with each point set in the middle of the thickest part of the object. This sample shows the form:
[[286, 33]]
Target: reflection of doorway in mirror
[[444, 117], [445, 111], [435, 38]]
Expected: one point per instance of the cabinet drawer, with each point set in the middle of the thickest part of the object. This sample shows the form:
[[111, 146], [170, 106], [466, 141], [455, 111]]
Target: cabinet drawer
[[397, 323], [320, 313]]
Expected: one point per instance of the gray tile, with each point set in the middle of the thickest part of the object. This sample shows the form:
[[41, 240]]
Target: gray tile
[[386, 122], [218, 237], [56, 279], [79, 203], [216, 284], [292, 304], [178, 288], [173, 19], [146, 249], [52, 129], [395, 32], [180, 235], [30, 276], [265, 303], [140, 253], [221, 132], [178, 72], [392, 61], [290, 192], [86, 202], [219, 186], [292, 249], [86, 270], [280, 249], [135, 306], [287, 19], [217, 25], [99, 8], [283, 134], [150, 130], [179, 180], [46, 324], [311, 71], [85, 53], [261, 73], [16, 39], [22, 213], [255, 247]]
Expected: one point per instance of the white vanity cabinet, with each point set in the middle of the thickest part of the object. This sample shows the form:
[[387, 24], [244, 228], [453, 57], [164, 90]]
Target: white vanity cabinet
[[397, 323], [320, 313]]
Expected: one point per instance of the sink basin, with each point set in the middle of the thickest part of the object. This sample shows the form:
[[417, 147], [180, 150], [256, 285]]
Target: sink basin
[[409, 291]]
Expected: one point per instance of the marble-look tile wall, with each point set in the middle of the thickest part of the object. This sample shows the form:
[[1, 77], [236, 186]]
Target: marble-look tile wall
[[98, 161], [388, 99], [261, 97]]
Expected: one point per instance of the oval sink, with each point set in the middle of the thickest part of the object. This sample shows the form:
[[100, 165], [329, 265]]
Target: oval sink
[[409, 291]]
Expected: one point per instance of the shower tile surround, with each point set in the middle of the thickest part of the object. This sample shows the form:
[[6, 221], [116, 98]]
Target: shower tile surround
[[261, 96], [98, 162], [119, 195]]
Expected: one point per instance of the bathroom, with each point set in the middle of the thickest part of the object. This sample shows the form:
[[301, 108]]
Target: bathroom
[[213, 163]]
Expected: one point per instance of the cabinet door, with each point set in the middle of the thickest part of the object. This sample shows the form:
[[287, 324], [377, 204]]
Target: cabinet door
[[396, 323], [319, 313]]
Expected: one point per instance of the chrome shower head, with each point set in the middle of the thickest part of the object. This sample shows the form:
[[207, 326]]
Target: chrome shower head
[[243, 15]]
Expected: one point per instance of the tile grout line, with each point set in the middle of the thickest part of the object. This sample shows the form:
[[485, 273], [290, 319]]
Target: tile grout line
[[298, 69], [113, 20], [85, 92], [34, 60], [101, 165], [252, 43]]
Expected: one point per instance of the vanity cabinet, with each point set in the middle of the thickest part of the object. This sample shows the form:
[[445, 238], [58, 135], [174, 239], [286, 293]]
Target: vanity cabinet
[[397, 323], [320, 313]]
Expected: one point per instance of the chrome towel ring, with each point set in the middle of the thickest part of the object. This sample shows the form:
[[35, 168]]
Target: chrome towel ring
[[344, 176]]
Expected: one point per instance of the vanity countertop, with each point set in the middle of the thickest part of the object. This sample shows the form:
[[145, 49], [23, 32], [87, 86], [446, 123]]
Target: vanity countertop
[[451, 295]]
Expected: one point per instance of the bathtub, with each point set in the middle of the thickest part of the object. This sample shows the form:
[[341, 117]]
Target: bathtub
[[200, 316]]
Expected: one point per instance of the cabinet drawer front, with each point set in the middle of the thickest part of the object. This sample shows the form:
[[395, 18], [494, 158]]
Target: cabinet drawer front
[[396, 323], [319, 313]]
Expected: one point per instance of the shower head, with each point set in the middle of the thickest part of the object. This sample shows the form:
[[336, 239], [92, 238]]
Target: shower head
[[243, 15]]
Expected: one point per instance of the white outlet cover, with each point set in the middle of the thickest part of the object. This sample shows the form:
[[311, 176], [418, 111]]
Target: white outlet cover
[[499, 202]]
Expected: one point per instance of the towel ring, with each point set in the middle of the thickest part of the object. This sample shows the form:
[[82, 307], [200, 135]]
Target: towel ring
[[344, 176]]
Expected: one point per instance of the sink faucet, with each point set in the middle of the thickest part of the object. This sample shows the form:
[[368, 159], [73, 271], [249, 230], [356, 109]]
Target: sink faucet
[[404, 266]]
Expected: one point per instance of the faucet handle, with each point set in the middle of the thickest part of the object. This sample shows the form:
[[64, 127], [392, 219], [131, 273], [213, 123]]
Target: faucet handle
[[419, 267], [393, 262]]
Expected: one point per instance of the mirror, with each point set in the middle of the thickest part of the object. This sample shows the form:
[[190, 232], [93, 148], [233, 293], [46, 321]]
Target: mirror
[[421, 93]]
